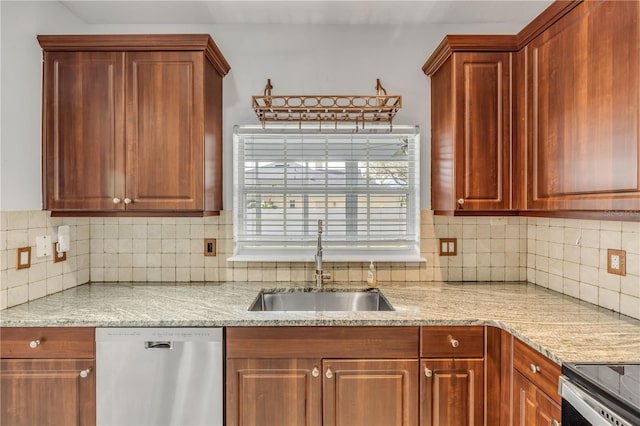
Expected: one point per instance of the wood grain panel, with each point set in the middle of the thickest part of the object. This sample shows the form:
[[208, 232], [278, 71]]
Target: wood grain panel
[[584, 110], [442, 139], [531, 406], [453, 392], [164, 130], [47, 392], [273, 392], [370, 392], [483, 130], [546, 378], [437, 341], [55, 342], [83, 137], [212, 140]]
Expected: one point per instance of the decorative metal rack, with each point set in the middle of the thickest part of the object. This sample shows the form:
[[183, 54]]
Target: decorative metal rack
[[380, 108]]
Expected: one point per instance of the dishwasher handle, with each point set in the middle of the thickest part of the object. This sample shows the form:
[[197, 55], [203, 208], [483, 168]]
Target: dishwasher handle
[[161, 344]]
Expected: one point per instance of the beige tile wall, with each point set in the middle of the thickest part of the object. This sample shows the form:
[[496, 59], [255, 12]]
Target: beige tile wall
[[540, 250], [171, 249], [19, 229], [570, 256]]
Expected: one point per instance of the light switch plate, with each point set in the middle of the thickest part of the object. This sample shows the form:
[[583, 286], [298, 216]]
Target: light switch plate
[[43, 246]]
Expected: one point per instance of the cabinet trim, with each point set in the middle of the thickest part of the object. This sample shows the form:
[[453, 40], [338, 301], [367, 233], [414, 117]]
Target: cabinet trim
[[138, 42]]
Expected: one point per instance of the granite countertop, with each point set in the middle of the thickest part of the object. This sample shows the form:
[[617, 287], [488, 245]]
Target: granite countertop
[[561, 327]]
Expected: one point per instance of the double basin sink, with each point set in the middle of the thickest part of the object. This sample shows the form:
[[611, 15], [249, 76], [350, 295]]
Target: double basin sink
[[320, 300]]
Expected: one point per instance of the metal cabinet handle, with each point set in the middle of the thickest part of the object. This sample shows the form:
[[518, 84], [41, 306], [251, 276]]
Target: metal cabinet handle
[[85, 373], [315, 372], [116, 200], [454, 342], [428, 372], [34, 344], [534, 368], [128, 201], [329, 373], [461, 201]]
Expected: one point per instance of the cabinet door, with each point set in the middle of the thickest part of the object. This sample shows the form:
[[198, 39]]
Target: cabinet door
[[47, 392], [83, 140], [583, 145], [370, 392], [482, 91], [452, 392], [274, 392], [531, 406], [165, 130]]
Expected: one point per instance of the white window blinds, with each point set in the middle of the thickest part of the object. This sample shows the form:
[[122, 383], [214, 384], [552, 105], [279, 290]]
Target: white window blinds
[[363, 185]]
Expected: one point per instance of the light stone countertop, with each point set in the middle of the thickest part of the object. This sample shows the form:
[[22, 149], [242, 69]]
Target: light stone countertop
[[561, 327]]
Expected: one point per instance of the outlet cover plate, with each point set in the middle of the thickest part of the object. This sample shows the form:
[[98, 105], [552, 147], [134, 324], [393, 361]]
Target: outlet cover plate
[[622, 262], [448, 246]]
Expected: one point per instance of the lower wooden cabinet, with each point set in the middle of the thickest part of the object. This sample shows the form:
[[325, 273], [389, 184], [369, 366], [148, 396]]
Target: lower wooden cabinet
[[47, 377], [370, 392], [274, 392], [47, 392], [452, 392], [531, 406]]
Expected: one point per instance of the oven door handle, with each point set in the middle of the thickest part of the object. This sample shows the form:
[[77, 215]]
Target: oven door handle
[[583, 403]]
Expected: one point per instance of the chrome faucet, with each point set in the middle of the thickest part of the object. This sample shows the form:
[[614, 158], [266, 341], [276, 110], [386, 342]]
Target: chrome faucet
[[319, 274]]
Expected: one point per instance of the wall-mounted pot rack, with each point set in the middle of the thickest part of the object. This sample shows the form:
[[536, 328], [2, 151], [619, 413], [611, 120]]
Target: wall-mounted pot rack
[[358, 109]]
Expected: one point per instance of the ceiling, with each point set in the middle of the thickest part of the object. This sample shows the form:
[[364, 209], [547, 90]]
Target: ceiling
[[308, 12]]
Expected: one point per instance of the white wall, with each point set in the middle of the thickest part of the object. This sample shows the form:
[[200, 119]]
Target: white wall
[[299, 59]]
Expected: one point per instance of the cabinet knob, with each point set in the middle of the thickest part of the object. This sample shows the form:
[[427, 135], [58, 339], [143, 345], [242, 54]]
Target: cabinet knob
[[34, 344], [128, 201], [315, 372], [461, 201], [454, 342], [329, 373], [554, 422], [116, 200], [534, 368], [428, 372], [85, 373]]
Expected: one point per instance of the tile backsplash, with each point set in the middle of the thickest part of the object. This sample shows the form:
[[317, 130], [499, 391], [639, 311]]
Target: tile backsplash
[[20, 229], [542, 251]]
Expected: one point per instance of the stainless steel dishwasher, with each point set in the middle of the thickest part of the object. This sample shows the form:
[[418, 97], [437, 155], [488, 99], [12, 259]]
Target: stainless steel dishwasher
[[159, 376]]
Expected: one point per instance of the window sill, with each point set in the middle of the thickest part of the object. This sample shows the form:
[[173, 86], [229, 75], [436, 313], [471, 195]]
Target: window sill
[[342, 257]]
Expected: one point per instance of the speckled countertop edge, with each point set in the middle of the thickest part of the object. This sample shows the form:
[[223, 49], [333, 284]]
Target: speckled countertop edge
[[558, 326]]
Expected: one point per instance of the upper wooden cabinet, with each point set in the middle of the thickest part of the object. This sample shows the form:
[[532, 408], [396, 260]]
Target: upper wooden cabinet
[[132, 124], [470, 130], [582, 110]]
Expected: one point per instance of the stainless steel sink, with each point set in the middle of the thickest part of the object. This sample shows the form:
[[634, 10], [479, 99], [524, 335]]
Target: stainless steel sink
[[314, 300]]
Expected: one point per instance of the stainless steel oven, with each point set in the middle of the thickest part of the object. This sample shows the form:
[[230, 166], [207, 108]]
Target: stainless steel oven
[[600, 394]]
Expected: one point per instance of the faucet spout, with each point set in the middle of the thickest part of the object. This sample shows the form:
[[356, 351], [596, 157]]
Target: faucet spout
[[319, 274]]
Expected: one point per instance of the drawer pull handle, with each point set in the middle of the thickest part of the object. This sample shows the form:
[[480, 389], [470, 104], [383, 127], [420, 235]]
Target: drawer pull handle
[[454, 342], [85, 373], [34, 344], [128, 201], [461, 201], [534, 368], [116, 200], [554, 422], [428, 372], [315, 372], [329, 373]]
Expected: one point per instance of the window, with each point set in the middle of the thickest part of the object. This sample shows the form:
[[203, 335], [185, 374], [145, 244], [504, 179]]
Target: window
[[362, 184]]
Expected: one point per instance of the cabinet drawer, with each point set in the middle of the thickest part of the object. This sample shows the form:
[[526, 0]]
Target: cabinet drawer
[[47, 342], [536, 367], [447, 342]]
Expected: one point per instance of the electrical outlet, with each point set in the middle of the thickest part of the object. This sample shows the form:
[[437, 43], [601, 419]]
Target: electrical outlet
[[617, 262], [210, 247], [448, 247]]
